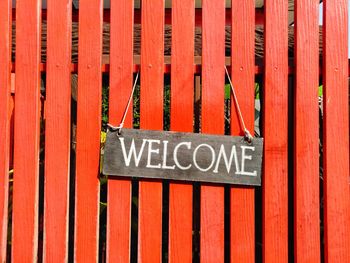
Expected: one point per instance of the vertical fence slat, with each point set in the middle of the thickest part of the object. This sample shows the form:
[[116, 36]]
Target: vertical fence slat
[[243, 62], [121, 82], [336, 132], [151, 106], [213, 80], [27, 132], [5, 117], [275, 132], [306, 144], [182, 92], [57, 139], [88, 131]]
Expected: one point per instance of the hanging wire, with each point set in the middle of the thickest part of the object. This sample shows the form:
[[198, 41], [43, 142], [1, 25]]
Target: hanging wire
[[121, 125], [247, 134]]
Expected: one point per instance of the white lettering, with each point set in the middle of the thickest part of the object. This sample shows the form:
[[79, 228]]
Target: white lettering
[[150, 151], [165, 152], [246, 157], [222, 154], [188, 146], [212, 157], [132, 152]]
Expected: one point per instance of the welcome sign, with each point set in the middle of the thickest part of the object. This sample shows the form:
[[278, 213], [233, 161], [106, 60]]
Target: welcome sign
[[183, 156]]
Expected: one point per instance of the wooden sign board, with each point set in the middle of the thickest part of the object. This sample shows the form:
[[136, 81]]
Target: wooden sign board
[[183, 156]]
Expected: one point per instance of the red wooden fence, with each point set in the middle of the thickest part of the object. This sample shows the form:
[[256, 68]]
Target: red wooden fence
[[48, 215]]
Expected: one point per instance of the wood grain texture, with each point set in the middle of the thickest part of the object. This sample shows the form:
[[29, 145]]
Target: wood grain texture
[[121, 82], [336, 132], [5, 118], [213, 80], [27, 133], [151, 111], [57, 139], [181, 119], [88, 131], [242, 72], [275, 132], [306, 133]]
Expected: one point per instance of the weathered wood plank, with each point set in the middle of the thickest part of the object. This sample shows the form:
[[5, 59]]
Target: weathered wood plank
[[306, 144], [213, 80], [87, 195], [275, 132], [151, 111], [183, 156], [242, 71], [181, 119], [5, 118], [336, 132], [27, 133], [121, 81]]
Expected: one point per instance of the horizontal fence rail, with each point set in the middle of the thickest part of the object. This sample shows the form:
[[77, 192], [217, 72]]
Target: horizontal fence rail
[[66, 73], [197, 69]]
